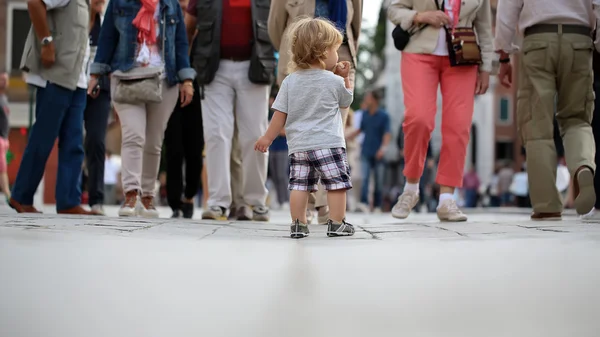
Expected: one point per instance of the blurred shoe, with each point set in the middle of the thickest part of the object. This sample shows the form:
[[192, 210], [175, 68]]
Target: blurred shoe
[[406, 202], [556, 216], [147, 209], [187, 209], [592, 216], [176, 214], [323, 215], [298, 230], [362, 208], [583, 190], [310, 215], [260, 213], [339, 229], [285, 206], [78, 210], [98, 210], [214, 213], [22, 208], [233, 213], [244, 213], [448, 211], [377, 210], [129, 207]]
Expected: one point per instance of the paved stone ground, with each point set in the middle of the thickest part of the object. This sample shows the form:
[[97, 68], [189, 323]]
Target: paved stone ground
[[497, 275]]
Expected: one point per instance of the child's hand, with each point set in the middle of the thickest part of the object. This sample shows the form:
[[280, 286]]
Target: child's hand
[[342, 69], [262, 144]]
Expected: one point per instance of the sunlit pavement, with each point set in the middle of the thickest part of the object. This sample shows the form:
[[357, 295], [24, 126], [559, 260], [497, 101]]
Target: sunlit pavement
[[499, 274]]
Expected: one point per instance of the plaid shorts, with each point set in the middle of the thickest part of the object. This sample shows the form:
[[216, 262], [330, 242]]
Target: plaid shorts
[[329, 165]]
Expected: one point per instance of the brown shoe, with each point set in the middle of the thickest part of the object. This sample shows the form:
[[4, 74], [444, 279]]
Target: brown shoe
[[583, 190], [546, 216], [22, 208], [75, 210]]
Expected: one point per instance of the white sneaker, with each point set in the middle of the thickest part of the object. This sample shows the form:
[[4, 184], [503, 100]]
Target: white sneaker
[[406, 202], [362, 208], [377, 210], [448, 211], [147, 209], [592, 216], [214, 213], [98, 210], [130, 205]]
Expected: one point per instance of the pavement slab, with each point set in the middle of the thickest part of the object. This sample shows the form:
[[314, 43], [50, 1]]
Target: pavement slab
[[497, 275]]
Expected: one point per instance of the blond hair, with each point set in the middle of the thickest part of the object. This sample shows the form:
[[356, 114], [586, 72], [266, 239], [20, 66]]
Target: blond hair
[[310, 39]]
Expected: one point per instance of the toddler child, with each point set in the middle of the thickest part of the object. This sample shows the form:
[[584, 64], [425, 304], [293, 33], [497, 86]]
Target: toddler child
[[308, 105]]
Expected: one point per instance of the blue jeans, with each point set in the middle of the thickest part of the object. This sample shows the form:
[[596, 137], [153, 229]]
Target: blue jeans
[[370, 164], [58, 113]]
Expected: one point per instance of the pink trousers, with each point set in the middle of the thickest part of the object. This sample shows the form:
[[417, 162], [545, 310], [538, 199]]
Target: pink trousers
[[421, 76]]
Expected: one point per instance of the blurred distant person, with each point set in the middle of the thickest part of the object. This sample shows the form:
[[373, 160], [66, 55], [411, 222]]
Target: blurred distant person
[[279, 162], [505, 177], [375, 126], [4, 131], [519, 187], [555, 80], [594, 215], [471, 185], [427, 64], [112, 167], [346, 15]]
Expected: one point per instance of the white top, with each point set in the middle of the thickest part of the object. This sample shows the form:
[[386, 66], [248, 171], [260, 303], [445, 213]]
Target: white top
[[151, 55], [441, 49], [82, 82], [312, 99], [111, 170]]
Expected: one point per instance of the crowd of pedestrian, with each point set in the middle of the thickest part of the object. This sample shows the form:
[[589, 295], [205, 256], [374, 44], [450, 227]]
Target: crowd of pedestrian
[[200, 81]]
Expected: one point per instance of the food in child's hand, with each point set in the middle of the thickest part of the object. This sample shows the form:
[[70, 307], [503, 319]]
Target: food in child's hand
[[342, 69]]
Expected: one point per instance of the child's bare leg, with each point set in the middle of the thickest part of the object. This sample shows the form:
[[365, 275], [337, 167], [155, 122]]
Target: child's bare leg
[[337, 205], [298, 204]]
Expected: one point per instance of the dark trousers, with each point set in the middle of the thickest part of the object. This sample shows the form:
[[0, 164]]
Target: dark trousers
[[58, 114], [95, 119], [184, 141], [370, 164], [596, 124], [279, 167]]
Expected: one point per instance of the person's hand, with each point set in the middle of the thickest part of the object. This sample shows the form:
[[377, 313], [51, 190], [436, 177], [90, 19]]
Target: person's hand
[[262, 144], [93, 89], [433, 18], [186, 93], [97, 6], [342, 69], [380, 153], [483, 83], [48, 55], [505, 74]]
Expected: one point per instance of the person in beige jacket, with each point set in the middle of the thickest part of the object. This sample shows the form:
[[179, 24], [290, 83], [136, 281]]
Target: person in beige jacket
[[425, 66], [347, 16]]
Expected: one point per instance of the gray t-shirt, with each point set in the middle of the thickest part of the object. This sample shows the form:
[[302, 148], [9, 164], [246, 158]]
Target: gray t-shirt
[[312, 99]]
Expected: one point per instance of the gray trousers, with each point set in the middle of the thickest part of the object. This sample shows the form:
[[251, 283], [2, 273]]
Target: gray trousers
[[279, 164]]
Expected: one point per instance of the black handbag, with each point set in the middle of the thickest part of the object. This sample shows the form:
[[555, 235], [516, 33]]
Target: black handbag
[[402, 37]]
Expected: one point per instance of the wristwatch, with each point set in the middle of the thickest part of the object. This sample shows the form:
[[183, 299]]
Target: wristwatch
[[47, 40]]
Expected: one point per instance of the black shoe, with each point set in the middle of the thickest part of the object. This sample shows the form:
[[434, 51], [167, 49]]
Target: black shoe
[[187, 209], [176, 214], [298, 230], [337, 229]]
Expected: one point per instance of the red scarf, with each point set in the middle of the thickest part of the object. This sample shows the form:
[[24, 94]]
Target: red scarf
[[145, 22], [455, 4]]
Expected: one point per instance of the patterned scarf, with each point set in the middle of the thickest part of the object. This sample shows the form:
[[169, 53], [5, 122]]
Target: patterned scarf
[[338, 13], [145, 22]]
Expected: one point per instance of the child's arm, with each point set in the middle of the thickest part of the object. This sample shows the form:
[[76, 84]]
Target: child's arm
[[275, 127]]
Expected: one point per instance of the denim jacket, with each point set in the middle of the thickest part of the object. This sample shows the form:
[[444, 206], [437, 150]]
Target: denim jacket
[[117, 45]]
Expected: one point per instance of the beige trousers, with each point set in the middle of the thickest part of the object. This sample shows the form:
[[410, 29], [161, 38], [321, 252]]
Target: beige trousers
[[555, 79], [232, 88], [143, 129], [318, 199]]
